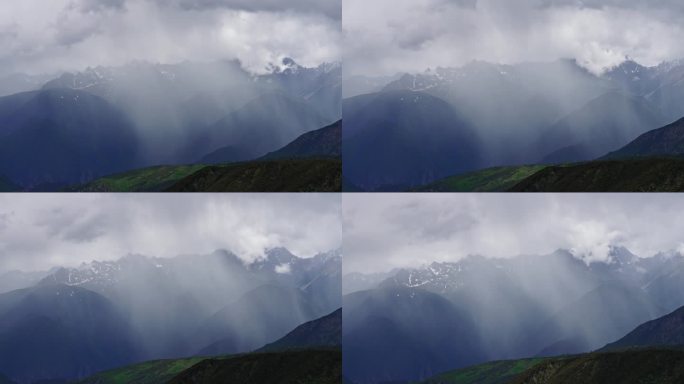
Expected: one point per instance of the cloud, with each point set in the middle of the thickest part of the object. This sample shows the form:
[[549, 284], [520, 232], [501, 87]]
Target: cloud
[[99, 5], [69, 35], [43, 231], [389, 36], [384, 231], [331, 8]]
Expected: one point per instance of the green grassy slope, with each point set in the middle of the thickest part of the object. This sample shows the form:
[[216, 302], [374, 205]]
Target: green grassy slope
[[292, 367], [314, 366], [645, 366], [151, 179], [630, 175], [151, 372], [495, 179], [8, 186], [497, 372], [295, 175]]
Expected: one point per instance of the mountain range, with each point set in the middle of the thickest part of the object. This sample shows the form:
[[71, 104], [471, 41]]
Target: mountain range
[[416, 323], [506, 115], [84, 125], [104, 315]]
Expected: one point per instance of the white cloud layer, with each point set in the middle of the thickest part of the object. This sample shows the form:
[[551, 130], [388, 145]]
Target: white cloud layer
[[389, 36], [40, 36], [42, 231], [384, 231]]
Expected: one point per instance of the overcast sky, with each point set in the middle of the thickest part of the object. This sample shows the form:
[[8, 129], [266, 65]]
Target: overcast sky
[[383, 231], [389, 36], [39, 36], [39, 231]]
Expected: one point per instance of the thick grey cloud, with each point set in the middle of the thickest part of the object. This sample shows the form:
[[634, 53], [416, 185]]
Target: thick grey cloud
[[50, 36], [331, 8], [388, 36], [42, 231], [384, 231]]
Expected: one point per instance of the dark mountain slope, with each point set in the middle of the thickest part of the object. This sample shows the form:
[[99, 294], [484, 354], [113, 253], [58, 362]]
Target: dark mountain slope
[[666, 330], [604, 124], [226, 155], [295, 175], [323, 332], [62, 136], [262, 125], [396, 333], [403, 139], [301, 367], [630, 175], [601, 315], [55, 331], [665, 141], [260, 316], [324, 142]]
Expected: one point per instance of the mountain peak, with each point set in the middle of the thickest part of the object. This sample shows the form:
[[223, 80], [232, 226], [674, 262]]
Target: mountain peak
[[621, 255]]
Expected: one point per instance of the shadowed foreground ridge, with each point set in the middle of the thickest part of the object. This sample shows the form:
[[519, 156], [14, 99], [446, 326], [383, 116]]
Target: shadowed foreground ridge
[[627, 367], [296, 175], [633, 175], [301, 367]]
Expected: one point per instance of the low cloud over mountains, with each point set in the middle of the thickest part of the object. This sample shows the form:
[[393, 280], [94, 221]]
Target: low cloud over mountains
[[43, 231], [67, 35], [385, 37]]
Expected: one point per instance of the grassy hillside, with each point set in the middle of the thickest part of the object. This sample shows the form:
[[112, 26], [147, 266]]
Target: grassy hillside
[[496, 179], [631, 175], [497, 372], [321, 366], [153, 179], [647, 366], [151, 372], [293, 367], [295, 175], [8, 186]]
